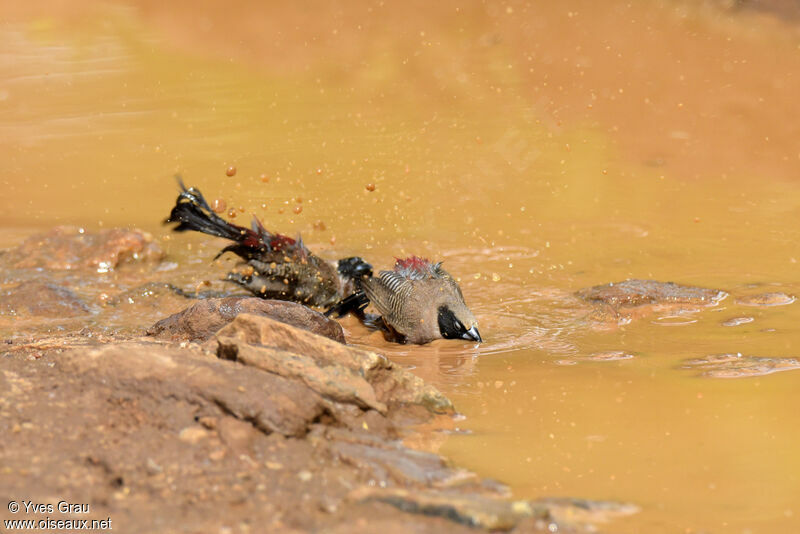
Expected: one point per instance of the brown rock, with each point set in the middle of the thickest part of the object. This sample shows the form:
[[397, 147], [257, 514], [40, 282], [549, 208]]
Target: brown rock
[[389, 462], [236, 434], [639, 292], [332, 369], [67, 248], [333, 381], [269, 402], [202, 319], [41, 299], [193, 434]]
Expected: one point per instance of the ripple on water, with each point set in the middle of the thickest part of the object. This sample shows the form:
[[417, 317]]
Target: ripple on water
[[766, 299], [603, 356], [738, 365], [736, 321], [674, 320]]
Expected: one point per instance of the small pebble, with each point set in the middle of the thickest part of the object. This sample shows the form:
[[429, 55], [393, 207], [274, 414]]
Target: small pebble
[[192, 434], [370, 187], [217, 455], [230, 171]]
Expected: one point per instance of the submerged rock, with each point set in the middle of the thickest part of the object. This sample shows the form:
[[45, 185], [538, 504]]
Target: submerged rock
[[737, 365], [41, 299], [202, 319], [621, 302], [766, 299], [69, 248], [631, 293]]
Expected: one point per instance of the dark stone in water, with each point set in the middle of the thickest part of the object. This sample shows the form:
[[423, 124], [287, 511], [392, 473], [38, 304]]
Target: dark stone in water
[[631, 293]]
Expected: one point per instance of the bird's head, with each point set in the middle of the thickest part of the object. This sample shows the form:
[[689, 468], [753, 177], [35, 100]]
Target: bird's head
[[457, 322]]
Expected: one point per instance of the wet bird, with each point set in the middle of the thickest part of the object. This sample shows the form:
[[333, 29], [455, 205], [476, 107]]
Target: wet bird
[[418, 302], [273, 265]]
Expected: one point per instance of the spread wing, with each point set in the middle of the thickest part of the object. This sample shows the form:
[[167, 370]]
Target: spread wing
[[388, 292]]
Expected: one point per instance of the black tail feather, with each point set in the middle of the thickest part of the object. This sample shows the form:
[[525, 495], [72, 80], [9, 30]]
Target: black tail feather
[[192, 212], [355, 303]]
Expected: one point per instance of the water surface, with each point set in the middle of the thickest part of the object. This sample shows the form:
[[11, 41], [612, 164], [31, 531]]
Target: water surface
[[535, 148]]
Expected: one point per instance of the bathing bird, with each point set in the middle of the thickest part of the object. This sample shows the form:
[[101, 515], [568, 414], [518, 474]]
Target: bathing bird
[[273, 266], [418, 302]]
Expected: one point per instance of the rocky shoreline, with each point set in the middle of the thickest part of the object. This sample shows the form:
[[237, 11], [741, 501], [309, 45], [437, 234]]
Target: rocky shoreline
[[235, 414]]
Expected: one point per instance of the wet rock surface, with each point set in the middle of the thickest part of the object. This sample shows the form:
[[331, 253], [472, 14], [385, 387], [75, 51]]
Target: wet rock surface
[[629, 293], [68, 248], [203, 318], [621, 302], [41, 299], [766, 299]]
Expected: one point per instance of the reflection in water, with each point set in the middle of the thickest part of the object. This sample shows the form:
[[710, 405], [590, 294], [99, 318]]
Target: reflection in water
[[536, 148]]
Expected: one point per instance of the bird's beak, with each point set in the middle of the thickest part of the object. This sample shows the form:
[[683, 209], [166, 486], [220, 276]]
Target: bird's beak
[[473, 334]]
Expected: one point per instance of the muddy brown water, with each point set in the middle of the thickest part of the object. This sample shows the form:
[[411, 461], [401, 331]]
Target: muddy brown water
[[535, 148]]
